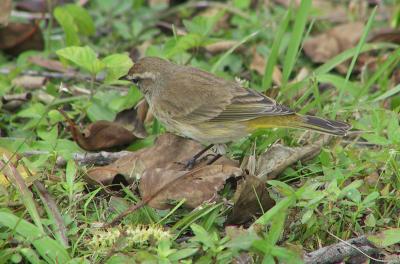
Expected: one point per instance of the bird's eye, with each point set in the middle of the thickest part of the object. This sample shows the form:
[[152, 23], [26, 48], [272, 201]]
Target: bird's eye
[[135, 80]]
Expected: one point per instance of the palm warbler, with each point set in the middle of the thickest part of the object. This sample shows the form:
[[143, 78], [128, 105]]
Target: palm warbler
[[212, 110]]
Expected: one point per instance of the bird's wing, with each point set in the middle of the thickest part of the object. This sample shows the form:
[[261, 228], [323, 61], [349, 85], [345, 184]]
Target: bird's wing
[[248, 104], [200, 96]]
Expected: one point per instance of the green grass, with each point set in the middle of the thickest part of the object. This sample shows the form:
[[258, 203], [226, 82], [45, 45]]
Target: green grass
[[349, 189]]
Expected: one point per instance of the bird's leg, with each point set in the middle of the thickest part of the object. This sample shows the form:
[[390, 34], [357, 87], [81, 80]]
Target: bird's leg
[[214, 159], [190, 163]]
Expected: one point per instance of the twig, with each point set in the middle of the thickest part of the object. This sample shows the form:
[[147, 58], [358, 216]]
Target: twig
[[98, 158], [29, 15], [50, 203], [55, 75], [338, 252]]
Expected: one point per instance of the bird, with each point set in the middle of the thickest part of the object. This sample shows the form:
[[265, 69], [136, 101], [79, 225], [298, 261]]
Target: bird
[[212, 110]]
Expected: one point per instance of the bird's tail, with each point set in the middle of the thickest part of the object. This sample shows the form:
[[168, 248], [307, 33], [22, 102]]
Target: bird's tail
[[318, 124], [322, 125]]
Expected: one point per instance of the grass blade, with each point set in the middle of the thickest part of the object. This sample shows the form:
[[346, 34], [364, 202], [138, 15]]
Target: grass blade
[[296, 38], [360, 44], [227, 53], [49, 249], [392, 60], [55, 217], [26, 195], [273, 56], [388, 94]]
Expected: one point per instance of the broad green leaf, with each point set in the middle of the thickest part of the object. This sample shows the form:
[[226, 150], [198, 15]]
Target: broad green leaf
[[117, 65], [82, 19], [48, 248], [182, 254], [83, 57], [385, 238], [279, 207], [124, 102], [66, 21], [243, 241], [202, 235], [183, 43], [98, 111]]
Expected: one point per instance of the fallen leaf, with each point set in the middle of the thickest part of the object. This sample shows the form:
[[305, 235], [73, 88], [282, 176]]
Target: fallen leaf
[[49, 64], [221, 46], [12, 102], [385, 35], [159, 186], [5, 11], [325, 46], [258, 64], [16, 38], [109, 135], [133, 120], [249, 197], [168, 152], [323, 10], [278, 157], [29, 82]]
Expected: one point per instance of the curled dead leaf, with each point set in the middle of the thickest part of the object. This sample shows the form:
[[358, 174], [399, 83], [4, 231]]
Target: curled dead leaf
[[278, 157], [16, 38], [385, 35], [29, 82], [133, 119], [168, 152], [49, 64], [12, 102], [107, 135], [251, 199], [325, 46], [158, 186]]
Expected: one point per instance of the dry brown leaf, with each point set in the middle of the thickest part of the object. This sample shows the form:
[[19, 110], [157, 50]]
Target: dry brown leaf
[[168, 152], [250, 195], [325, 46], [29, 82], [5, 11], [155, 3], [159, 186], [110, 135], [326, 10], [278, 157], [103, 135], [222, 46], [386, 35], [133, 119], [49, 64], [258, 64], [16, 38], [11, 102]]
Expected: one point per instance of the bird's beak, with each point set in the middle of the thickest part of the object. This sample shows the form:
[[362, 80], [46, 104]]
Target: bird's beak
[[125, 78]]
